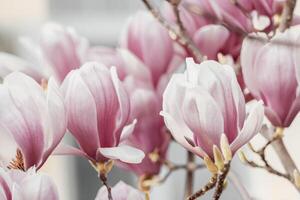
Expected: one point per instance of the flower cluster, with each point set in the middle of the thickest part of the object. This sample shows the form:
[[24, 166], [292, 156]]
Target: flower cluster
[[125, 105]]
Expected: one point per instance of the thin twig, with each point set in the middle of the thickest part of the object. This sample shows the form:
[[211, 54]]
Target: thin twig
[[181, 36], [220, 181], [189, 175], [211, 184], [287, 14]]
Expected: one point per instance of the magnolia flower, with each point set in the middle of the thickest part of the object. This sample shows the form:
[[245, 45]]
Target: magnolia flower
[[149, 134], [58, 50], [120, 191], [150, 42], [209, 37], [271, 78], [205, 102], [16, 184], [98, 111], [32, 121]]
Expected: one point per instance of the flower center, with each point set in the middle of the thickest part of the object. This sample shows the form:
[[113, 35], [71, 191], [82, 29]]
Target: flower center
[[17, 162]]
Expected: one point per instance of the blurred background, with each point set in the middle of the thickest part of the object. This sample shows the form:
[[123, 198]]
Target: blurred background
[[101, 22]]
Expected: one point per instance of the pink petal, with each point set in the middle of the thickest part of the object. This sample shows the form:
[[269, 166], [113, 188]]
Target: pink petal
[[251, 127], [211, 39], [124, 153], [82, 113], [23, 115], [204, 118]]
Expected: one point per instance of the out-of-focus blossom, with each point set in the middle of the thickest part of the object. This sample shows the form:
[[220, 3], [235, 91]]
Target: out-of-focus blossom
[[32, 121], [120, 191], [269, 70], [16, 184], [149, 134], [210, 37], [98, 111], [205, 102], [62, 48], [145, 37], [58, 50]]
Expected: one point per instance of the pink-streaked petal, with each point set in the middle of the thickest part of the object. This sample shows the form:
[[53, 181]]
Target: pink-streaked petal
[[251, 127], [203, 116], [29, 109], [127, 131], [123, 153], [11, 63], [57, 121], [124, 104], [211, 39], [82, 115]]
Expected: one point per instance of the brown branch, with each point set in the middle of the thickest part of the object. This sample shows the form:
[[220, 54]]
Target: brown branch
[[211, 184], [286, 160], [181, 36], [103, 178], [287, 14], [189, 176], [283, 155], [220, 181]]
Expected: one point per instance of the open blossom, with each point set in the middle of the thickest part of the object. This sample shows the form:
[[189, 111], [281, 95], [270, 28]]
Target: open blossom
[[16, 184], [269, 70], [98, 111], [120, 191], [149, 134], [203, 103], [32, 121], [58, 50], [145, 37]]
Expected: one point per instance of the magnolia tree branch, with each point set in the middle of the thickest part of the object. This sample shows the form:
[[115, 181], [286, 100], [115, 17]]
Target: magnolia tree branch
[[284, 156], [220, 181], [210, 185], [287, 14], [178, 30]]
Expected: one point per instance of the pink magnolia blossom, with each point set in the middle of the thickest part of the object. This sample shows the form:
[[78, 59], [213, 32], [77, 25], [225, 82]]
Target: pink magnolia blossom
[[57, 51], [16, 184], [145, 37], [210, 38], [269, 70], [149, 133], [98, 111], [120, 191], [203, 103], [32, 121]]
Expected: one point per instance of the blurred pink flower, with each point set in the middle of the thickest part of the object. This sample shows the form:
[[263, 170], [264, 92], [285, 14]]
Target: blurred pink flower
[[32, 121], [269, 70], [146, 38], [98, 115], [211, 38], [203, 103], [149, 133], [16, 184], [120, 191], [57, 51]]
